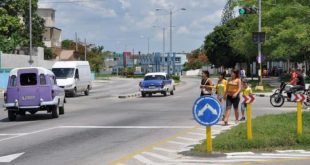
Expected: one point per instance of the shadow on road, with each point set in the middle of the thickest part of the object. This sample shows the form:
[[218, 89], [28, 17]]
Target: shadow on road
[[29, 118]]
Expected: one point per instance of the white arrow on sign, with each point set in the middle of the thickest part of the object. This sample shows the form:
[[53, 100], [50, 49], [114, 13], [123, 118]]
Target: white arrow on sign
[[10, 158]]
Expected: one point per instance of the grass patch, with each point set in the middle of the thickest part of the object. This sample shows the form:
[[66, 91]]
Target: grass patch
[[270, 133], [267, 87]]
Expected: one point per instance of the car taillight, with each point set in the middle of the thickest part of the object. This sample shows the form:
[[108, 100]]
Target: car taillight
[[5, 97]]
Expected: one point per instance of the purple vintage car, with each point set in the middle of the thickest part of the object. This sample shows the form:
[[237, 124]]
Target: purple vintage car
[[33, 89]]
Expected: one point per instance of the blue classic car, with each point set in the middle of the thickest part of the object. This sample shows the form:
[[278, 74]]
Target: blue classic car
[[157, 83]]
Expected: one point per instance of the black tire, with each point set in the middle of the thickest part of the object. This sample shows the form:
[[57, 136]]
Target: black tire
[[165, 93], [150, 94], [54, 111], [86, 92], [74, 92], [172, 92], [276, 100], [61, 110], [11, 115], [143, 94]]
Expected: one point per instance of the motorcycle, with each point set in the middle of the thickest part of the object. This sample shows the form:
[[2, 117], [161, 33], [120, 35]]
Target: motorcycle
[[278, 98]]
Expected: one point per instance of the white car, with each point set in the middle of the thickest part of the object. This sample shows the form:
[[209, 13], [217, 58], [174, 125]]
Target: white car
[[158, 82]]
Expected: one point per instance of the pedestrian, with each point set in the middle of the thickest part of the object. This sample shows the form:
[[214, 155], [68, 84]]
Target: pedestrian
[[303, 71], [242, 73], [232, 96], [221, 89], [246, 91], [206, 84]]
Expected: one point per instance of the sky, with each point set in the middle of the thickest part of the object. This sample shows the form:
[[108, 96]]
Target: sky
[[128, 25]]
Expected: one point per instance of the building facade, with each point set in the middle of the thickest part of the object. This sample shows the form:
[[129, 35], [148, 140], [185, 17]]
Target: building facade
[[52, 34]]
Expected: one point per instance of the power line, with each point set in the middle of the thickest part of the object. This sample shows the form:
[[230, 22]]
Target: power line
[[76, 1]]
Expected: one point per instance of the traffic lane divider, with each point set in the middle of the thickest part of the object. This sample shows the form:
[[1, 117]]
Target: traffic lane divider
[[129, 95]]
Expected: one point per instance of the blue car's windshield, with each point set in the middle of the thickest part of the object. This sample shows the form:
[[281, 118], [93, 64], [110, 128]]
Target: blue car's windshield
[[154, 77]]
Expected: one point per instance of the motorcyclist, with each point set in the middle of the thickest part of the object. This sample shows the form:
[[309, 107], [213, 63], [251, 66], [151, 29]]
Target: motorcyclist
[[298, 83]]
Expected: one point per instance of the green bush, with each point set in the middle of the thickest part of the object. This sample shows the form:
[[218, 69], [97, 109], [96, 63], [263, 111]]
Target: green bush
[[176, 78]]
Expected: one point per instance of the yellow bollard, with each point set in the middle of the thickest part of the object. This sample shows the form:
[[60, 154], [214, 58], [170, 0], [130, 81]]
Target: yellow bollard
[[299, 118], [209, 140], [249, 121]]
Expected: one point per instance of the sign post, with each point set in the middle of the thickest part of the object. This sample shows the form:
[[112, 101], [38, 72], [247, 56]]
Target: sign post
[[207, 112], [249, 100], [299, 98]]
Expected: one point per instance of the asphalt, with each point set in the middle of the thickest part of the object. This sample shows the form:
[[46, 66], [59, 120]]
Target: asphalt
[[101, 128]]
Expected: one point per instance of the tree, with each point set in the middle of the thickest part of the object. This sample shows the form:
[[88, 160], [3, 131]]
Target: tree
[[14, 24], [217, 45]]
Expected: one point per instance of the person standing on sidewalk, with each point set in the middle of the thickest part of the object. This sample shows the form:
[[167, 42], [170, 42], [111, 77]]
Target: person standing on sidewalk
[[206, 84], [221, 89], [246, 91], [232, 96], [242, 73]]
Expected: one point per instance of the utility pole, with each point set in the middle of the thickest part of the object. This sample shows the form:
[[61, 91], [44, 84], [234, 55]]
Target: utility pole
[[85, 50], [259, 43], [170, 42], [30, 34], [76, 40]]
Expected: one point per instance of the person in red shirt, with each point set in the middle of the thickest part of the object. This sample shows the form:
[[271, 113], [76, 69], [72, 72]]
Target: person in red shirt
[[294, 75]]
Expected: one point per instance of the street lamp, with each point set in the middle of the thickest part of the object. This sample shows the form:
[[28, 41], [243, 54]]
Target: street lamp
[[170, 13]]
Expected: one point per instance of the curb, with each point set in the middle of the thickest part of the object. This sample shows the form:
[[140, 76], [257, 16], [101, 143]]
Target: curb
[[129, 95]]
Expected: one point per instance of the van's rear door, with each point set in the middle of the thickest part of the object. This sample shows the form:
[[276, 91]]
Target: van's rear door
[[28, 87]]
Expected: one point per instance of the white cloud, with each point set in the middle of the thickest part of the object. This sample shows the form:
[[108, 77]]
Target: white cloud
[[182, 30], [162, 3], [148, 21], [125, 4], [213, 18], [98, 8]]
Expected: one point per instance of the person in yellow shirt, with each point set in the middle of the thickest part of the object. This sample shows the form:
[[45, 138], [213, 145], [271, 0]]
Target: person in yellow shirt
[[246, 91], [232, 96], [221, 89]]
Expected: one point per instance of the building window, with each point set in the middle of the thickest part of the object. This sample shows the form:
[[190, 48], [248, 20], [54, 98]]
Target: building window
[[178, 59]]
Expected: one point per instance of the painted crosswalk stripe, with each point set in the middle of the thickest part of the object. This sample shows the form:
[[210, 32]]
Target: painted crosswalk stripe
[[239, 153], [164, 158], [289, 151], [164, 149], [179, 143], [199, 134], [143, 159], [188, 139]]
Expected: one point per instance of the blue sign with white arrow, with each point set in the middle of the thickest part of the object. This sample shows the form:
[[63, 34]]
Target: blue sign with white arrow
[[207, 110]]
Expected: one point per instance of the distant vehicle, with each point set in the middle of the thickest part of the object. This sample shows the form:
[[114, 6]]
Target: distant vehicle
[[73, 76], [33, 89], [158, 82]]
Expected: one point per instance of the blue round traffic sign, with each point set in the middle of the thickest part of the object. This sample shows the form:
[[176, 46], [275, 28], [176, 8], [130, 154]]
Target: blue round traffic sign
[[207, 110]]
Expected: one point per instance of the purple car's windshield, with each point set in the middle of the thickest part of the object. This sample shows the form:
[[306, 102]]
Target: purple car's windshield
[[154, 77]]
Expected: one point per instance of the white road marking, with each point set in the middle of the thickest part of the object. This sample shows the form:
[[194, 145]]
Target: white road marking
[[30, 133], [143, 159], [179, 143], [217, 160], [10, 158], [164, 158], [199, 134], [291, 155], [239, 153], [289, 151], [130, 127], [189, 139], [165, 150], [245, 157], [12, 134]]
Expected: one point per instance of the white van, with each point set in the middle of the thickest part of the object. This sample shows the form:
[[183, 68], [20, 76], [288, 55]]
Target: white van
[[73, 76]]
